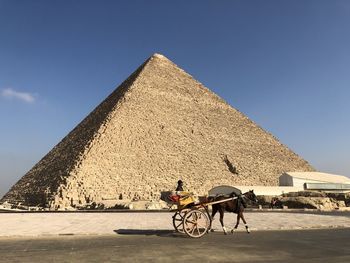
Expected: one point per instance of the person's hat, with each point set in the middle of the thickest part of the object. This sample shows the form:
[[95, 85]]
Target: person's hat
[[179, 182]]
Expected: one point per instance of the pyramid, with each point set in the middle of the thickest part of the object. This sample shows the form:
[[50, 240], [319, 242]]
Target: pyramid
[[160, 125]]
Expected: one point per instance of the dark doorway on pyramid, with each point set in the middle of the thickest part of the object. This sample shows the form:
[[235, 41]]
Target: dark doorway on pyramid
[[232, 168]]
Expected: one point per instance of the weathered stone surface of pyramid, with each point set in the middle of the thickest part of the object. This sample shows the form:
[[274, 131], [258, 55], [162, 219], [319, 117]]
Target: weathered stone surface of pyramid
[[160, 125]]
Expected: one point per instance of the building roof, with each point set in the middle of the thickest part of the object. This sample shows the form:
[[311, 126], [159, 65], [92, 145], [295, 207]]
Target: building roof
[[317, 176]]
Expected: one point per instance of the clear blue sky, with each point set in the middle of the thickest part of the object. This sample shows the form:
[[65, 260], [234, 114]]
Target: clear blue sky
[[285, 64]]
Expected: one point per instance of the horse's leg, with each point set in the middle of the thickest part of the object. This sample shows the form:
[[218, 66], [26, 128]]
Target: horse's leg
[[237, 223], [221, 210], [214, 210], [245, 223]]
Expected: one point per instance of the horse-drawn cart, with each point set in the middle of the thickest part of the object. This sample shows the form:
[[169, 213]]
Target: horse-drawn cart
[[192, 214]]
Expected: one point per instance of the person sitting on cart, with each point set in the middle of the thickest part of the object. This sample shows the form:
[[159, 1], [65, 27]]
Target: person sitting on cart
[[183, 197], [181, 191], [179, 186]]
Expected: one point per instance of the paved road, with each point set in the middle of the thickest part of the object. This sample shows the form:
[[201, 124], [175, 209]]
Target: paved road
[[165, 246]]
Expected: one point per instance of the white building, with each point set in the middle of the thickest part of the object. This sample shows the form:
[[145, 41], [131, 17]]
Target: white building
[[298, 179]]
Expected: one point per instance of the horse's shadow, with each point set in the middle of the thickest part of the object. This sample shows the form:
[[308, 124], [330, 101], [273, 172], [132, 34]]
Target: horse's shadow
[[146, 232]]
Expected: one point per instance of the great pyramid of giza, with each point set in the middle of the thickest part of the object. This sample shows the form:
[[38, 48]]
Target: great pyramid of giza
[[160, 125]]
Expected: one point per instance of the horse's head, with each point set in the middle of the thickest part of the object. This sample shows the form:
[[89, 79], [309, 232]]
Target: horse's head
[[251, 196]]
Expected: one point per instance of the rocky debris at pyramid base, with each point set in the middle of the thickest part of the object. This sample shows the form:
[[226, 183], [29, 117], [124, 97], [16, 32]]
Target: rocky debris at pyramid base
[[160, 125], [321, 203], [307, 200], [104, 205], [130, 205], [317, 201]]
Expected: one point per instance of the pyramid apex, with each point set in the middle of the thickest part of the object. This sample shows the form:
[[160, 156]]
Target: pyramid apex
[[157, 55]]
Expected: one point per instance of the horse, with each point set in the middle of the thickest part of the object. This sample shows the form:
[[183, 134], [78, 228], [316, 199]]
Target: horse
[[235, 206]]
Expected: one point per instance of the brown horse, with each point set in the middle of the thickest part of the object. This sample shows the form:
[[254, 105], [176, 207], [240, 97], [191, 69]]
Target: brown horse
[[234, 206]]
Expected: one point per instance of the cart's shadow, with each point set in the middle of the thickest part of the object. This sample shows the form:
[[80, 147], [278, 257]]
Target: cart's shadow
[[160, 233]]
